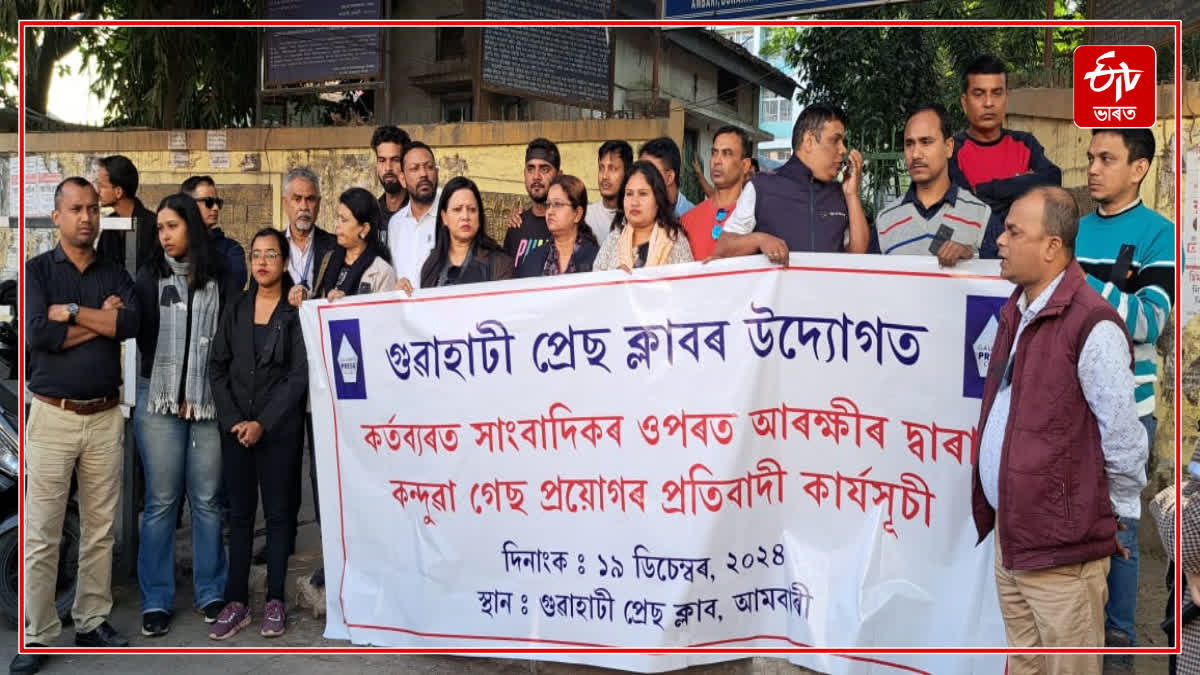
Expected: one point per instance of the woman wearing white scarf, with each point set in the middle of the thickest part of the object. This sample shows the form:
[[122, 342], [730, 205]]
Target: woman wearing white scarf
[[183, 290], [649, 234]]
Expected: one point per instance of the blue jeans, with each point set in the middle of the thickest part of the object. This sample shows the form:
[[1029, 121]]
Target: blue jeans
[[178, 455], [1120, 612]]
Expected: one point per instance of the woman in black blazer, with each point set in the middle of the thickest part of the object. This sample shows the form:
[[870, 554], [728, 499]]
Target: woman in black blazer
[[260, 378], [573, 245]]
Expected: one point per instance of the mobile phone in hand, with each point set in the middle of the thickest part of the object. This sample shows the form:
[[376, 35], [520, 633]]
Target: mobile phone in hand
[[943, 235]]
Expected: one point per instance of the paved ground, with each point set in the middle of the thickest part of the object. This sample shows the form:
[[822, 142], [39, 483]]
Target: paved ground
[[189, 630]]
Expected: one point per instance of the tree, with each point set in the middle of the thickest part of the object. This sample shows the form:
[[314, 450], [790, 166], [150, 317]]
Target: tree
[[156, 77], [877, 74], [176, 77], [44, 47]]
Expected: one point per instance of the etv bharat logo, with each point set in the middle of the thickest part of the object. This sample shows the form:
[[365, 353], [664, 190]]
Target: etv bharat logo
[[1114, 86]]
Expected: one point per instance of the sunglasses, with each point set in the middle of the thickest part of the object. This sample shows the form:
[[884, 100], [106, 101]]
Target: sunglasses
[[209, 202], [722, 214]]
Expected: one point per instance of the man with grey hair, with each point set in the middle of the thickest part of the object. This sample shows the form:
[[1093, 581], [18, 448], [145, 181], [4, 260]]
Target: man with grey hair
[[1060, 453], [308, 245], [302, 203]]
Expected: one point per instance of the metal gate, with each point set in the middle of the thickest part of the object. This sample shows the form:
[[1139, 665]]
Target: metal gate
[[885, 177]]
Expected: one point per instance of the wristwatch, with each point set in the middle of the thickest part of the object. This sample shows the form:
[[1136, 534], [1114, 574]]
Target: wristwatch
[[72, 312]]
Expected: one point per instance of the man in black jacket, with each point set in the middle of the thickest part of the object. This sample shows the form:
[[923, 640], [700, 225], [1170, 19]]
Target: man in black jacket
[[308, 245], [117, 183], [204, 191], [388, 145]]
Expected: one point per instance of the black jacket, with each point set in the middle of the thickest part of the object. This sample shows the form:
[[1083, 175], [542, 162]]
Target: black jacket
[[145, 288], [322, 243], [486, 265], [534, 263], [111, 246], [267, 385]]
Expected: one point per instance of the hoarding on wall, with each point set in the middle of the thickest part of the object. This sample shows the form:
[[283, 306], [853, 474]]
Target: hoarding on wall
[[565, 64], [317, 53], [757, 9]]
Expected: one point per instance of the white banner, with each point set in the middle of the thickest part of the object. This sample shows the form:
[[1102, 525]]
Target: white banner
[[726, 456]]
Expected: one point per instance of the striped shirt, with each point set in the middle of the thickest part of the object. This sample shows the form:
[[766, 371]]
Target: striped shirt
[[906, 226], [1144, 296]]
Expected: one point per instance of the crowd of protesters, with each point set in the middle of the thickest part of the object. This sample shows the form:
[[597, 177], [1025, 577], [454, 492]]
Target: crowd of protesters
[[222, 387]]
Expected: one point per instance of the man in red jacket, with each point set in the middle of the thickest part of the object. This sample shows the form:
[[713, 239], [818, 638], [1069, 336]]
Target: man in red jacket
[[996, 164], [1061, 452]]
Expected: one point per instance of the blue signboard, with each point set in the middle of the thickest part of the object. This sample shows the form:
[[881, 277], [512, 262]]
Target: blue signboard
[[756, 9]]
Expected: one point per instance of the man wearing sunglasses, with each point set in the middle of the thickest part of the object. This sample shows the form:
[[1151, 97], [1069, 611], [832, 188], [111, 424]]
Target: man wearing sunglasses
[[204, 191], [728, 165]]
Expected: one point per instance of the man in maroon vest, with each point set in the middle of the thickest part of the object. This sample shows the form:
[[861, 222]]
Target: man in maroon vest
[[1061, 452]]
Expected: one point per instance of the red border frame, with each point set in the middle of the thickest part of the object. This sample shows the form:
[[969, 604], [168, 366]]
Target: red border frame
[[1177, 25]]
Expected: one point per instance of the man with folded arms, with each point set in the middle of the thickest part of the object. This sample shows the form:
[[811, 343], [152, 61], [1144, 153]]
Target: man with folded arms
[[78, 309]]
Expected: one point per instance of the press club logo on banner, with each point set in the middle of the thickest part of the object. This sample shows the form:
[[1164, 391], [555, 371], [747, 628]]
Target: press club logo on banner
[[1114, 86]]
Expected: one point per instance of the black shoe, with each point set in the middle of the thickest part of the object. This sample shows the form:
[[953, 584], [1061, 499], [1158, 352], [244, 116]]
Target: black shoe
[[155, 624], [212, 610], [103, 635], [27, 663]]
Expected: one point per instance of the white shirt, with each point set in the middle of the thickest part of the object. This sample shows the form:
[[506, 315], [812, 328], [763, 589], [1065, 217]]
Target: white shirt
[[410, 240], [742, 221], [300, 261], [1107, 384], [600, 219]]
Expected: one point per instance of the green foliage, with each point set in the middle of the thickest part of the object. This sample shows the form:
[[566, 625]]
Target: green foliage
[[172, 77], [43, 46], [877, 74]]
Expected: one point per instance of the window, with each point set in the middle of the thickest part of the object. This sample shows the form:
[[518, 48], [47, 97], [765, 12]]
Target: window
[[727, 87], [742, 36], [456, 109], [775, 109]]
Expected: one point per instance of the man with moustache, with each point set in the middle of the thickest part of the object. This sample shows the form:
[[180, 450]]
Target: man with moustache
[[728, 163], [307, 246], [388, 143], [613, 160], [541, 166], [996, 164], [1060, 451], [801, 206], [913, 224], [79, 307], [410, 232]]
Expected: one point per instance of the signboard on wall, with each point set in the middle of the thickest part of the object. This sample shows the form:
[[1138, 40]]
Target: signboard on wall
[[563, 64], [317, 53], [757, 9]]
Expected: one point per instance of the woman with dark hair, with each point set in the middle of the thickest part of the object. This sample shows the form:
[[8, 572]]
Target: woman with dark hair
[[647, 231], [463, 253], [360, 263], [182, 289], [573, 245], [260, 378]]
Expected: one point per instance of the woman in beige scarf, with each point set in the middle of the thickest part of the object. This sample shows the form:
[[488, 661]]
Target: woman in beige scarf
[[648, 233]]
